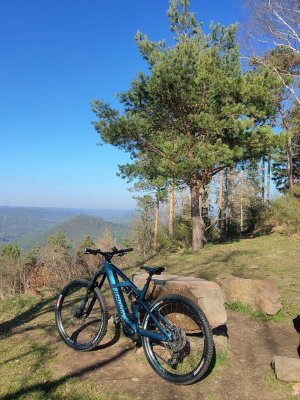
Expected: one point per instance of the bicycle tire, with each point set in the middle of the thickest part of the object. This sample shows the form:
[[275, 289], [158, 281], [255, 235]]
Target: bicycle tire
[[89, 330], [194, 334]]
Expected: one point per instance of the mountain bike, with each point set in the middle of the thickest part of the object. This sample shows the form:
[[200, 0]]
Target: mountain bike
[[173, 331]]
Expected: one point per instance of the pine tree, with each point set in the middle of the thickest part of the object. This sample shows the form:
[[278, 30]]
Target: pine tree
[[195, 113]]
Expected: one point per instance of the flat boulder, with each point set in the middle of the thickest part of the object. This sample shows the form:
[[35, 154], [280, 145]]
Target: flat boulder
[[286, 369], [207, 295], [261, 295]]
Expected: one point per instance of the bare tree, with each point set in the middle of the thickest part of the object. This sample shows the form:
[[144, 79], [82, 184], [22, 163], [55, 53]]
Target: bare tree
[[220, 201], [171, 208], [268, 179], [263, 175], [276, 24]]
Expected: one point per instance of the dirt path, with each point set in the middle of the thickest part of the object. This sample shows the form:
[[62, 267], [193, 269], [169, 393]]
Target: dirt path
[[246, 373]]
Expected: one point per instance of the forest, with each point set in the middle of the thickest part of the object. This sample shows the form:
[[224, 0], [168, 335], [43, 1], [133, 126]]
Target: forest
[[214, 118], [213, 134]]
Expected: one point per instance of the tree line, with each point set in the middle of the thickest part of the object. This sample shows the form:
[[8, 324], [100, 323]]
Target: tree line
[[50, 267], [197, 114], [207, 128]]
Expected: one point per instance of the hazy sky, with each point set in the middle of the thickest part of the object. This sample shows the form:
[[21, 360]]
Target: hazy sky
[[56, 56]]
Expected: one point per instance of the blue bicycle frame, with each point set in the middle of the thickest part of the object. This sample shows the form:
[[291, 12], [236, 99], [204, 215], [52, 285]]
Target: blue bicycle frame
[[113, 273]]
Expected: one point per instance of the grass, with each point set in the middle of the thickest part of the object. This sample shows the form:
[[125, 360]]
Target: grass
[[222, 358], [273, 257], [28, 355], [212, 397], [28, 339], [277, 386], [285, 315], [15, 305]]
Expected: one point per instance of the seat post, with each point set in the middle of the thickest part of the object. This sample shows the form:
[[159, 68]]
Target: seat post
[[145, 289], [151, 271]]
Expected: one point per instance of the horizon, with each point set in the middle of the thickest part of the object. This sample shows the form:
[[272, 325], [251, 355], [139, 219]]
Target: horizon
[[56, 58], [69, 208]]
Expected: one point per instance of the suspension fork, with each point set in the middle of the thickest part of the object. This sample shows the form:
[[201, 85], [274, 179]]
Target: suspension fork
[[87, 296]]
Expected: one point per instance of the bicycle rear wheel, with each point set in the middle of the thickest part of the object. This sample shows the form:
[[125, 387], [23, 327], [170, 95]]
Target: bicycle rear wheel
[[81, 315], [187, 357]]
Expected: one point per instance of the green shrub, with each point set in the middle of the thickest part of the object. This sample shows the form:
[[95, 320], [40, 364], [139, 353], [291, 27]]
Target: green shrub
[[284, 214], [183, 232], [257, 217], [181, 238]]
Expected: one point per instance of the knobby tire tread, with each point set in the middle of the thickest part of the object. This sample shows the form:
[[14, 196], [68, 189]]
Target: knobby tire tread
[[104, 309], [209, 350]]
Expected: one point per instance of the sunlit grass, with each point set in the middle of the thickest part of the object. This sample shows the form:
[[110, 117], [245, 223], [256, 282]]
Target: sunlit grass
[[285, 315], [28, 333], [275, 385], [273, 257], [27, 358]]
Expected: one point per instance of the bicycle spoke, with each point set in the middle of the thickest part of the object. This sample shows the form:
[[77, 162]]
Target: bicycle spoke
[[80, 329], [183, 354]]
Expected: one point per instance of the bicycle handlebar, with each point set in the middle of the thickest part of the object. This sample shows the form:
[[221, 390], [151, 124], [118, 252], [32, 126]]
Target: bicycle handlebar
[[107, 254]]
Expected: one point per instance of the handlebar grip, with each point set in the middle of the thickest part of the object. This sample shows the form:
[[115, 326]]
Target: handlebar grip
[[129, 249], [90, 251]]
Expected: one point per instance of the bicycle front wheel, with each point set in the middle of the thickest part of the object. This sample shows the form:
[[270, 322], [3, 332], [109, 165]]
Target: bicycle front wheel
[[81, 315], [186, 358]]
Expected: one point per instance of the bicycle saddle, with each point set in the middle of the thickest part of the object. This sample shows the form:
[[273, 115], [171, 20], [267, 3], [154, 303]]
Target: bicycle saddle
[[154, 270]]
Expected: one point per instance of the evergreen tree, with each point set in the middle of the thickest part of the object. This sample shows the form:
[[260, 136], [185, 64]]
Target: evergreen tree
[[195, 113], [87, 242], [286, 164], [10, 252]]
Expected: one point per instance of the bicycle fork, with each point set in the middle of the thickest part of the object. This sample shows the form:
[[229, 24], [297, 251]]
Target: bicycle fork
[[79, 312]]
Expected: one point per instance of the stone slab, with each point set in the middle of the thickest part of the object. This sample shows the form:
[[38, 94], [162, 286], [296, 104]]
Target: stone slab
[[206, 294], [286, 369]]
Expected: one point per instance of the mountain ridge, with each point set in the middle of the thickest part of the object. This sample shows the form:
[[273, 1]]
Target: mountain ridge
[[24, 224], [76, 229]]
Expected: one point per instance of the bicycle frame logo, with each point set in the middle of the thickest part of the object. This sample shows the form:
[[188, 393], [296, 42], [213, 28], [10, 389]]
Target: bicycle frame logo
[[119, 302], [112, 273]]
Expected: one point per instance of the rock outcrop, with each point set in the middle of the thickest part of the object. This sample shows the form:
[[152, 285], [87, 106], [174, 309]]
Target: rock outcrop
[[261, 295], [286, 369], [207, 295]]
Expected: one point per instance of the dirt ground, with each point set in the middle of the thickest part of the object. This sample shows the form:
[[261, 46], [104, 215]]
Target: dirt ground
[[244, 374]]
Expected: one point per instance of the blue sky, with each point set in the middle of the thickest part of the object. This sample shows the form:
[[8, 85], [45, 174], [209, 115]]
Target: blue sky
[[56, 56]]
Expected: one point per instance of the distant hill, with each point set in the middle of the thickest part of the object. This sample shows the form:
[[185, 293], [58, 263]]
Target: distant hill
[[26, 224], [77, 228]]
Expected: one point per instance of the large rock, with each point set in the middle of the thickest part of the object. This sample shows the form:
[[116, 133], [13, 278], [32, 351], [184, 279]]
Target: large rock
[[207, 295], [262, 295], [286, 369]]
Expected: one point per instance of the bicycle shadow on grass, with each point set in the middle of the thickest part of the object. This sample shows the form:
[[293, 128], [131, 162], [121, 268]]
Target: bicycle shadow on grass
[[33, 312], [48, 388], [102, 346], [112, 341]]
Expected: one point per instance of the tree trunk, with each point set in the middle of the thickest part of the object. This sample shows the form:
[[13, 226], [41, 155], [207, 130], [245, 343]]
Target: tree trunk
[[220, 202], [226, 203], [263, 180], [269, 180], [156, 225], [196, 213], [289, 151], [290, 164], [171, 209], [241, 209]]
